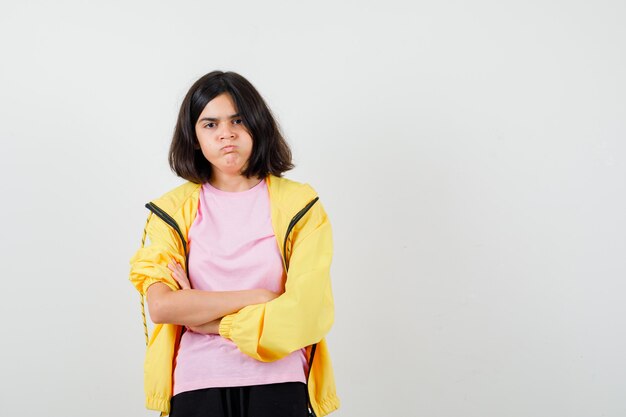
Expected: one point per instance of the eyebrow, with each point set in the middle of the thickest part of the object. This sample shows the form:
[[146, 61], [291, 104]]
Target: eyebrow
[[213, 119]]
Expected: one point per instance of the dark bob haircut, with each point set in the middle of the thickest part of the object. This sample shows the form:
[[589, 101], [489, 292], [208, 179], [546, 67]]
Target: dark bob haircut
[[270, 152]]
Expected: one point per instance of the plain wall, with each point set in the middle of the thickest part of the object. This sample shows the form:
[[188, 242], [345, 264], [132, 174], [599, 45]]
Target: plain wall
[[471, 157]]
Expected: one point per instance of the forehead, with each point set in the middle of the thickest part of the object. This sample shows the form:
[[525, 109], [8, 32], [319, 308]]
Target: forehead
[[222, 105]]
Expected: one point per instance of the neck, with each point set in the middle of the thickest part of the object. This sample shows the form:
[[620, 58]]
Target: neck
[[232, 183]]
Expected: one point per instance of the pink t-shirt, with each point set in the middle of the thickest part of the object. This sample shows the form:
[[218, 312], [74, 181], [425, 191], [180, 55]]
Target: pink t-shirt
[[232, 247]]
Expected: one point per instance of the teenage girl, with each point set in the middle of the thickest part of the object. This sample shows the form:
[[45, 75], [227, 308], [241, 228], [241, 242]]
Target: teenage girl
[[237, 273]]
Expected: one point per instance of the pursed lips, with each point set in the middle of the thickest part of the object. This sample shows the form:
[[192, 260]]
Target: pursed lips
[[228, 148]]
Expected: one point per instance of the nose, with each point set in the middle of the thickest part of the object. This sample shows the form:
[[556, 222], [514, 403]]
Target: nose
[[226, 131]]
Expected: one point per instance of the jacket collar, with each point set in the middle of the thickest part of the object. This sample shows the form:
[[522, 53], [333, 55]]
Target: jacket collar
[[287, 196]]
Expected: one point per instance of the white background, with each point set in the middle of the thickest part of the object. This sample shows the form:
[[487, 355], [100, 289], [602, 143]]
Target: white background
[[471, 157]]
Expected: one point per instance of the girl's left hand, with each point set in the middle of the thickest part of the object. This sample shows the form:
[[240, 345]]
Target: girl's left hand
[[179, 275]]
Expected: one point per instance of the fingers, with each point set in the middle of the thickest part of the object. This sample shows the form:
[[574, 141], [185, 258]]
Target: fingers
[[178, 273], [175, 266], [177, 270]]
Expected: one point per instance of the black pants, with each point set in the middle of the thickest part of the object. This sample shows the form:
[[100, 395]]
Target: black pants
[[287, 399]]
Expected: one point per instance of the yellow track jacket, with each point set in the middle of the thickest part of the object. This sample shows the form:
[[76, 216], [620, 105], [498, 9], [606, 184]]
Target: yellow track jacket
[[300, 317]]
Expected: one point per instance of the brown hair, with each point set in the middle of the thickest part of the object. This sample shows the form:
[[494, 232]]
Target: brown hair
[[270, 152]]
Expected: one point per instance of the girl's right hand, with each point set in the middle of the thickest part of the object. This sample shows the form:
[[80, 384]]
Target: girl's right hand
[[179, 275]]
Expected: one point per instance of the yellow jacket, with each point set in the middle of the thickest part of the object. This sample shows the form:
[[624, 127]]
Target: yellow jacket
[[300, 317]]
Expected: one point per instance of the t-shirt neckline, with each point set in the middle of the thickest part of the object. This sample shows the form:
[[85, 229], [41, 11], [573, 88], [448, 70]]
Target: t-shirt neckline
[[214, 190]]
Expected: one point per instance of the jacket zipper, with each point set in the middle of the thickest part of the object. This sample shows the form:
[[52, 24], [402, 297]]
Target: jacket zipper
[[169, 220], [162, 214], [292, 224]]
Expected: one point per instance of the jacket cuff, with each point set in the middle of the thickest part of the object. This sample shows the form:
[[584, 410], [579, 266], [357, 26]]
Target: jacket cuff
[[226, 325]]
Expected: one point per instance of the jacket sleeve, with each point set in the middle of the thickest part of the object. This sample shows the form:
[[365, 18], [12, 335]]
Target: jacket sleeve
[[149, 263], [304, 313]]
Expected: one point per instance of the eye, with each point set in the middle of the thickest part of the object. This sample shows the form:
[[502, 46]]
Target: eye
[[237, 121], [209, 125]]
